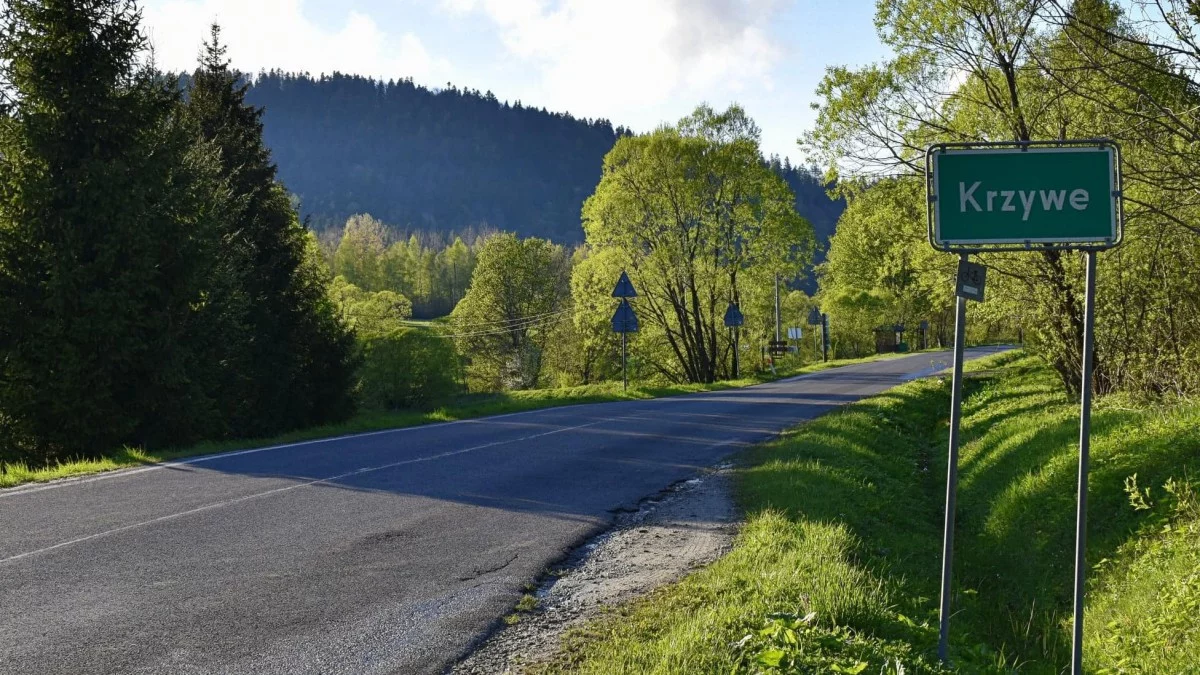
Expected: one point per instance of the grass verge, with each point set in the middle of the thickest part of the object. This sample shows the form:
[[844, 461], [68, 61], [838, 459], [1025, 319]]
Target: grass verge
[[464, 407], [838, 565]]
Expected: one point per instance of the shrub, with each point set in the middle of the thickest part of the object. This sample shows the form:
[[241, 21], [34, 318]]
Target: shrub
[[407, 368]]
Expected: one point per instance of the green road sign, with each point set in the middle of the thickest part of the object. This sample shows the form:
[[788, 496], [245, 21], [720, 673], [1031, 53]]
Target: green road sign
[[984, 197]]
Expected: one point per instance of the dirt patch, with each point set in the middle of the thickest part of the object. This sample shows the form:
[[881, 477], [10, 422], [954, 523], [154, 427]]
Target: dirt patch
[[686, 527]]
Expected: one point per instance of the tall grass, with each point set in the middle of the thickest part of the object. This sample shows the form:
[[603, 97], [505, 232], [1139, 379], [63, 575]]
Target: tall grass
[[837, 569]]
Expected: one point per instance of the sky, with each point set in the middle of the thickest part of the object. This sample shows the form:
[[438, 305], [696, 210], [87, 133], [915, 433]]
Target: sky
[[637, 63]]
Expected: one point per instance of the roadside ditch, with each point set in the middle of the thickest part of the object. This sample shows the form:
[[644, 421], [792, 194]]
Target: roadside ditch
[[687, 526]]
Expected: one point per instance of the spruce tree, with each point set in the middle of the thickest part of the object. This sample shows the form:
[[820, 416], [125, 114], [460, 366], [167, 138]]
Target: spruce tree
[[297, 368], [104, 238]]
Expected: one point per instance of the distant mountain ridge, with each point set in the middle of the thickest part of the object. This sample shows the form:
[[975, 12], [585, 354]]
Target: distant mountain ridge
[[449, 159]]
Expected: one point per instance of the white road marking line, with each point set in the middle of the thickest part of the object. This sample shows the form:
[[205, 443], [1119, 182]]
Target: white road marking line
[[121, 473], [356, 472]]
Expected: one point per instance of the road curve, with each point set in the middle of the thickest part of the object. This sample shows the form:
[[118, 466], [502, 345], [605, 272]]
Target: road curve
[[388, 552]]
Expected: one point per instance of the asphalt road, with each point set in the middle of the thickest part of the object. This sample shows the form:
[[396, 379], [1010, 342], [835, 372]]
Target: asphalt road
[[389, 552]]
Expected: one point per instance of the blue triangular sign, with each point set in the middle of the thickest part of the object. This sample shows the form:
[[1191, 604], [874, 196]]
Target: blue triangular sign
[[624, 320], [624, 287], [733, 316]]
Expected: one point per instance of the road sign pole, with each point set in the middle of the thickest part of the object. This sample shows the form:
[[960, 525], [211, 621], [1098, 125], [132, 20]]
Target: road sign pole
[[778, 322], [624, 321], [960, 336], [735, 352], [825, 337], [1085, 424], [624, 366]]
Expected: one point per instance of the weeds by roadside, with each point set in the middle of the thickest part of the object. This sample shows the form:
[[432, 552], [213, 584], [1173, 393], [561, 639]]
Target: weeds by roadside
[[837, 567]]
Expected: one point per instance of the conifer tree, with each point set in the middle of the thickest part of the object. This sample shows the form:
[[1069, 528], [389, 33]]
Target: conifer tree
[[103, 237], [296, 369]]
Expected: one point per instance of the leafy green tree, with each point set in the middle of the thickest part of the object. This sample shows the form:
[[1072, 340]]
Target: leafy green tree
[[370, 314], [360, 255], [456, 262], [407, 368], [519, 293], [262, 234], [695, 213], [1137, 62], [423, 267], [593, 275], [106, 238], [880, 270], [962, 71], [1018, 70]]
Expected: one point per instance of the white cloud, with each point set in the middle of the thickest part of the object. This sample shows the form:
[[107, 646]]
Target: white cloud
[[266, 34], [615, 57]]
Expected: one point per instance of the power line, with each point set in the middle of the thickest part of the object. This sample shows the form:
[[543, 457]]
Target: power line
[[494, 328], [510, 321], [538, 323]]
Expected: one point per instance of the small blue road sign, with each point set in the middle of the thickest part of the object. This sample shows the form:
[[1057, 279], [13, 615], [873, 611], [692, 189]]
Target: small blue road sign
[[624, 287], [814, 317], [624, 320], [733, 316]]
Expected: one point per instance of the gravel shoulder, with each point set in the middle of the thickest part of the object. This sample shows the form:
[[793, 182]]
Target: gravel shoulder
[[687, 526]]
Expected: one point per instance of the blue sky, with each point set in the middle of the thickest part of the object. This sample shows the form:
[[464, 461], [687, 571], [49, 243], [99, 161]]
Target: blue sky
[[635, 62]]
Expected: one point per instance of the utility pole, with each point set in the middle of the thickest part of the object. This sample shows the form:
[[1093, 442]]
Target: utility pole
[[778, 337]]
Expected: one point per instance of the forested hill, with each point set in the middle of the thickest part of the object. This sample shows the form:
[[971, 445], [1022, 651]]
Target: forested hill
[[445, 160], [432, 160]]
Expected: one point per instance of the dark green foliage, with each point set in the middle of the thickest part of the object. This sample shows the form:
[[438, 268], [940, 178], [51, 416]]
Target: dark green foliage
[[293, 342], [814, 203], [437, 160], [156, 287], [104, 237], [407, 368]]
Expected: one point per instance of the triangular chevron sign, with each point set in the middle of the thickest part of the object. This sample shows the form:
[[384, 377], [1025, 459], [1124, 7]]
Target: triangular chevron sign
[[733, 316], [624, 320], [624, 287]]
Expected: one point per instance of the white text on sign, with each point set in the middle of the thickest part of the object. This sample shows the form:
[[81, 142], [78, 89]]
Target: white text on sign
[[1051, 200]]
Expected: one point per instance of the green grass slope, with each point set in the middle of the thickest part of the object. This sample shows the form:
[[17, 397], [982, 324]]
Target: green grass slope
[[838, 566]]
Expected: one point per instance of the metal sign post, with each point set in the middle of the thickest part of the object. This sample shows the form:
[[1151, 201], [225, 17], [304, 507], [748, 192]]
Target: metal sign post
[[733, 320], [971, 278], [816, 318], [825, 337], [1085, 428], [1030, 196], [624, 321]]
